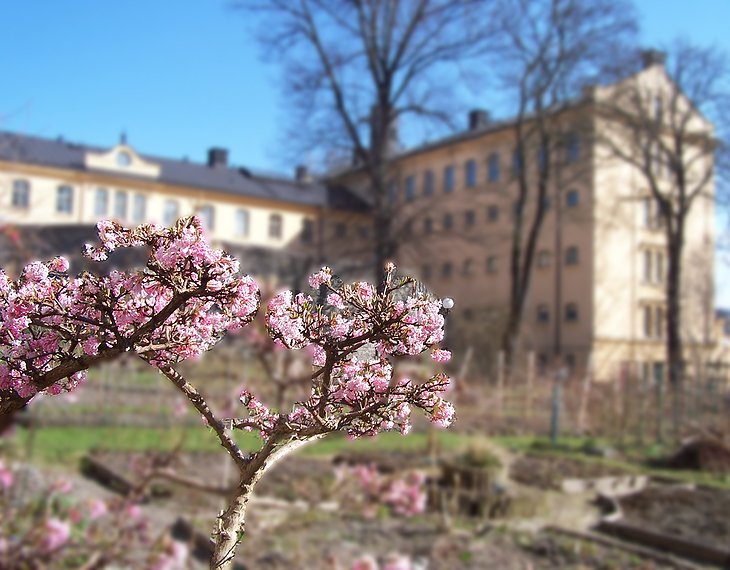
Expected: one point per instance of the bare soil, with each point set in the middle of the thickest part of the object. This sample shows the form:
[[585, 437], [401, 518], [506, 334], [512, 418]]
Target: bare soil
[[548, 472]]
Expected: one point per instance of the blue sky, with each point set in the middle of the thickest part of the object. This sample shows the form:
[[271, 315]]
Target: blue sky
[[180, 76]]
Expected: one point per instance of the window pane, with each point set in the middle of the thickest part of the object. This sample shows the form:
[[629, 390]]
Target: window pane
[[572, 147], [410, 188], [493, 213], [120, 205], [171, 213], [494, 167], [101, 203], [139, 208], [64, 199], [21, 194], [449, 179], [470, 173], [207, 217], [275, 226], [572, 199], [428, 183], [242, 223]]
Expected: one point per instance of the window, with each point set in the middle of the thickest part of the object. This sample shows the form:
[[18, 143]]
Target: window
[[364, 232], [572, 199], [542, 363], [647, 322], [571, 312], [101, 202], [543, 313], [447, 269], [544, 258], [469, 218], [572, 147], [242, 224], [516, 162], [340, 230], [207, 217], [120, 205], [516, 209], [123, 159], [428, 225], [64, 199], [652, 214], [21, 194], [170, 213], [470, 173], [658, 108], [492, 264], [648, 274], [493, 213], [307, 230], [469, 267], [449, 179], [659, 322], [275, 226], [546, 202], [659, 265], [448, 221], [139, 208], [410, 188], [493, 167], [571, 255], [428, 183], [426, 272]]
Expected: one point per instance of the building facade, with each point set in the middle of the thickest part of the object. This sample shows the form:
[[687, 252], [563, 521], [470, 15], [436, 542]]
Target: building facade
[[597, 297]]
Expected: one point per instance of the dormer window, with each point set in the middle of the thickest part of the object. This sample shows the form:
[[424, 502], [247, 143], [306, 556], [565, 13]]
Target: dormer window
[[124, 159]]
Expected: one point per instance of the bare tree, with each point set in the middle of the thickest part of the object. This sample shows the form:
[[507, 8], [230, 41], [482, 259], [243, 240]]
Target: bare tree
[[357, 69], [667, 122], [547, 51]]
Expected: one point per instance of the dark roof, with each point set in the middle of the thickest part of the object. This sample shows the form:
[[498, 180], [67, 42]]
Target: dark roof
[[58, 153]]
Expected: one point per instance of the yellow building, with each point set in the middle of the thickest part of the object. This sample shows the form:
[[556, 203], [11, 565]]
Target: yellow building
[[597, 293]]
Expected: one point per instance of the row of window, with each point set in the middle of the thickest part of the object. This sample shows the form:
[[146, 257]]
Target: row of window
[[116, 205], [493, 172], [544, 258], [492, 214], [570, 313]]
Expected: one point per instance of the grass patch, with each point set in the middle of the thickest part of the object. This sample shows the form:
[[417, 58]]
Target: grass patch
[[66, 445]]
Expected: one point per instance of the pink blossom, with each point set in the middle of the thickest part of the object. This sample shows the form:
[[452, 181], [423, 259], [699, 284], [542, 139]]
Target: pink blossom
[[397, 562], [440, 355], [57, 534], [322, 277], [6, 477], [97, 509]]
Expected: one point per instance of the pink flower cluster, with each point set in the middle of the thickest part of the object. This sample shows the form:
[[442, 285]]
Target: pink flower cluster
[[177, 307], [351, 339], [405, 494]]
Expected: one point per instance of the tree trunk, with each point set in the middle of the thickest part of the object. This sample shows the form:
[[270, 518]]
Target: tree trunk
[[674, 339]]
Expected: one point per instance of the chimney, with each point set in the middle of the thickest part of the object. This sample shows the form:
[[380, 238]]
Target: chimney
[[218, 157], [478, 119], [302, 174], [651, 57]]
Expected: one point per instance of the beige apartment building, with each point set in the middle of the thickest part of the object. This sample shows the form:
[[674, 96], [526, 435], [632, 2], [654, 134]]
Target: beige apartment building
[[597, 294]]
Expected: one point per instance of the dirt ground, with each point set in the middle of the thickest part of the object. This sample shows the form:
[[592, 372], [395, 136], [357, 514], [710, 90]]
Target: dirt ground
[[294, 524], [547, 472]]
